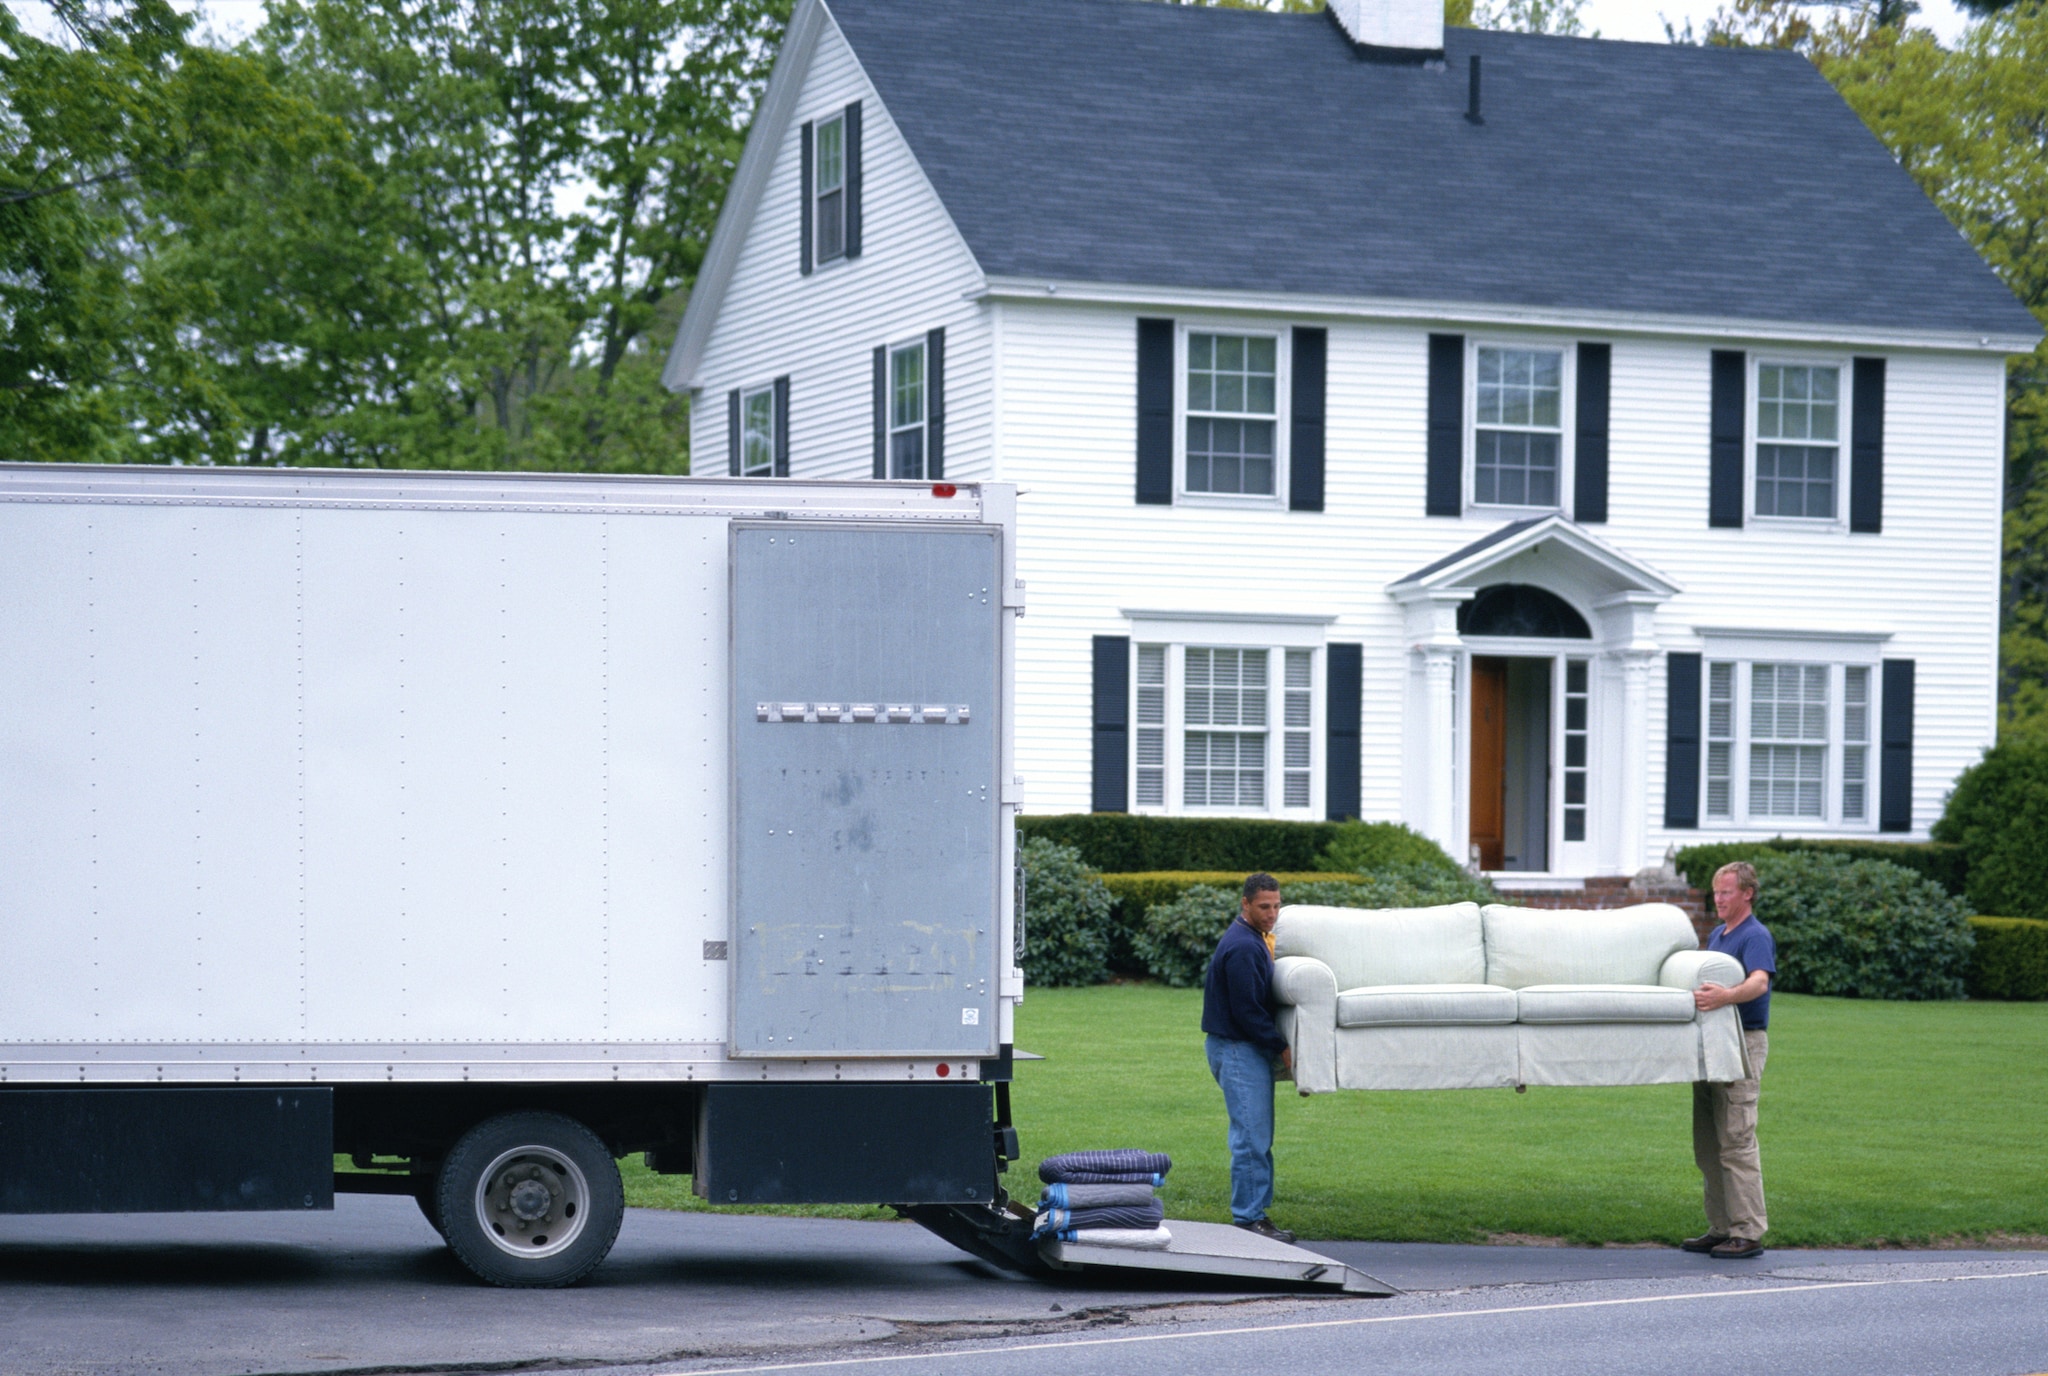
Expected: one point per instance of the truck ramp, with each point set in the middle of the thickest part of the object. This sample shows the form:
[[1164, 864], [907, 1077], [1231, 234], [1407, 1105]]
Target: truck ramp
[[1219, 1249], [1213, 1251]]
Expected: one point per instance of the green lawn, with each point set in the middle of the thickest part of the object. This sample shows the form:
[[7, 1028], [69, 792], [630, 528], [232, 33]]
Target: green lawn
[[1881, 1122]]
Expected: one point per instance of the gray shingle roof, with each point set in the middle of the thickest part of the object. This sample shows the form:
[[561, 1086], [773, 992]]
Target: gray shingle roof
[[1123, 141]]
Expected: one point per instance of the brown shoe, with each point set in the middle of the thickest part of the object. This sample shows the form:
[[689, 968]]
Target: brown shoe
[[1264, 1228], [1705, 1242], [1738, 1249]]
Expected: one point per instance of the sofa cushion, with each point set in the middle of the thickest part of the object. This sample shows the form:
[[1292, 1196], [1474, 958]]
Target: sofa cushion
[[1376, 946], [1527, 946], [1595, 1003], [1425, 1005]]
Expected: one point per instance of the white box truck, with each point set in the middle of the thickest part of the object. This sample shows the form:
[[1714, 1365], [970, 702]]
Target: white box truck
[[485, 828]]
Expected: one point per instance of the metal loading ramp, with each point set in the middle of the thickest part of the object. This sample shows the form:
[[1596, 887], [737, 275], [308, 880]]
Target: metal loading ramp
[[1218, 1249], [1212, 1251]]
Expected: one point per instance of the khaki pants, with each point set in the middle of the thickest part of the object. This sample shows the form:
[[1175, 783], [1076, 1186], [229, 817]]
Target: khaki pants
[[1724, 1145]]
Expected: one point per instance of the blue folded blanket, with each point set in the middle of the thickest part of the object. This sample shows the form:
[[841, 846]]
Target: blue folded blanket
[[1122, 1166], [1126, 1216], [1065, 1196]]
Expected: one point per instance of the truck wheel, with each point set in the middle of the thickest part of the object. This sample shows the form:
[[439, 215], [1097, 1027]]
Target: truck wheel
[[530, 1200]]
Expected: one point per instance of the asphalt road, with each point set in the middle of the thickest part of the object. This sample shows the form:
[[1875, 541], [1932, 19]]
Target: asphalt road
[[369, 1288]]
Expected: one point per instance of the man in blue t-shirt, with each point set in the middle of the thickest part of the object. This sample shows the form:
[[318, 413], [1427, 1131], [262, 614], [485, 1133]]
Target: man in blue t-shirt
[[1724, 1115], [1245, 1046]]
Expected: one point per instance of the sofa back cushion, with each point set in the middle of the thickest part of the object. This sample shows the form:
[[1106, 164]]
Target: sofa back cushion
[[1367, 946], [1526, 946]]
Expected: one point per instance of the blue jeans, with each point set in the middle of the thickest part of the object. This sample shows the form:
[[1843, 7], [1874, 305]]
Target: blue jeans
[[1245, 1074]]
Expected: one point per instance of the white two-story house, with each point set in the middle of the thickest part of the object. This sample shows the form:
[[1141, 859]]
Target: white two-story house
[[1569, 448]]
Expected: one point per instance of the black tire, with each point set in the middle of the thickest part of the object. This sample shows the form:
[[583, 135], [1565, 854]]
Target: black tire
[[530, 1200]]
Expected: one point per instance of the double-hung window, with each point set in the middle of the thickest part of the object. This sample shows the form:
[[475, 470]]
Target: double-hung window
[[908, 410], [1798, 439], [1232, 419], [1518, 426], [757, 433], [1224, 728], [1788, 743], [829, 188]]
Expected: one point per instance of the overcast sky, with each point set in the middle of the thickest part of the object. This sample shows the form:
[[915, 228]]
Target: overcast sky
[[1637, 19]]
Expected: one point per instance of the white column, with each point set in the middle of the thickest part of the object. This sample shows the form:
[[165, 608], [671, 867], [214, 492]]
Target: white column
[[1429, 775], [1633, 833]]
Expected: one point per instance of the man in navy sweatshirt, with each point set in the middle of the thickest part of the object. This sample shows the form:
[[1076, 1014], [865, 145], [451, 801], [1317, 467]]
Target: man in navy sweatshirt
[[1244, 1047]]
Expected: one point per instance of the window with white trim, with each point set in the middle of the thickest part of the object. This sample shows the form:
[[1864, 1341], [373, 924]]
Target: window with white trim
[[1798, 439], [907, 411], [757, 433], [1518, 426], [1231, 420], [1788, 742], [1577, 742], [1224, 728], [829, 179]]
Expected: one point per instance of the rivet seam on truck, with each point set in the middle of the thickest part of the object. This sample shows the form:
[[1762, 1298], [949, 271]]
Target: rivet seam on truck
[[881, 714]]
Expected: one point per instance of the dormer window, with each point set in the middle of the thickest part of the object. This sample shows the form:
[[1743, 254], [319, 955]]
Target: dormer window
[[830, 189]]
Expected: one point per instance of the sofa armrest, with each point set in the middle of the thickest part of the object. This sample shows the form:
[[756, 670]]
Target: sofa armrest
[[1310, 987], [1691, 969]]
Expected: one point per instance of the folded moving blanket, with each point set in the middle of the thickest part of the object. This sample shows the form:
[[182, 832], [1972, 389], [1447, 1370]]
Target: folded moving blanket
[[1123, 1166], [1096, 1196], [1137, 1239], [1121, 1216]]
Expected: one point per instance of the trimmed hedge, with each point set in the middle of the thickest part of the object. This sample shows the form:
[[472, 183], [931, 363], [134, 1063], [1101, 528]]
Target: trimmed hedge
[[1861, 928], [1122, 843], [1137, 893], [2011, 959], [1998, 815], [1945, 864], [1177, 936], [1373, 847], [1067, 917]]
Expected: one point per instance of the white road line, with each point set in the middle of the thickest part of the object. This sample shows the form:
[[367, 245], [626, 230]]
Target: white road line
[[1354, 1323]]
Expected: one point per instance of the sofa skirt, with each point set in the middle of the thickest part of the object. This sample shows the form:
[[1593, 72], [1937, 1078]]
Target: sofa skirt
[[1490, 1057]]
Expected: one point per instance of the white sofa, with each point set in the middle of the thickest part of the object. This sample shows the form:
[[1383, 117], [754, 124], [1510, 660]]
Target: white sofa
[[1464, 997]]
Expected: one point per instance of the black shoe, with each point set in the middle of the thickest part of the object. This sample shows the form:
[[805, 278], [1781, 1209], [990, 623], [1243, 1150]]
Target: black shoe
[[1738, 1249], [1705, 1242], [1264, 1228]]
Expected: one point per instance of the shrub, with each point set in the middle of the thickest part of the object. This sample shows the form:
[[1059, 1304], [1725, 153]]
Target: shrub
[[1066, 916], [1944, 863], [1121, 843], [1998, 814], [2011, 959], [1135, 894], [1176, 938], [1371, 847], [1861, 928]]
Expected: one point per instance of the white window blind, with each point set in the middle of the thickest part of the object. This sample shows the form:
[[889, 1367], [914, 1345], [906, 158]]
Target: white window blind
[[1855, 742], [1720, 739], [1788, 732], [1300, 716], [1151, 725], [1224, 688]]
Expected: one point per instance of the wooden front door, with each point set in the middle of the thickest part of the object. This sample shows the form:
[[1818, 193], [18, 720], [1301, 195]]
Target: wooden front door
[[1489, 760]]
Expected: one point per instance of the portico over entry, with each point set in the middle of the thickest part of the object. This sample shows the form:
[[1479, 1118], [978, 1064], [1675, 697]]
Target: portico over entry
[[1527, 700]]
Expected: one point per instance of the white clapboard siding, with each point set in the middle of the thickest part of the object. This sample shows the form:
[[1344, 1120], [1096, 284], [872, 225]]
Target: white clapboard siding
[[914, 274]]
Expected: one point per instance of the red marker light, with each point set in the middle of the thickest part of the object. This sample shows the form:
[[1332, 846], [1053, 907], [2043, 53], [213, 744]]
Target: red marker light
[[944, 1070], [944, 490]]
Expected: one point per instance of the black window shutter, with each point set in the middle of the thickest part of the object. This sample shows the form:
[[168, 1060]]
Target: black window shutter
[[804, 200], [1682, 741], [1155, 412], [1895, 744], [1111, 792], [935, 404], [1724, 449], [1589, 454], [1345, 674], [1305, 419], [853, 180], [782, 426], [1446, 483], [881, 411], [732, 432], [1866, 448]]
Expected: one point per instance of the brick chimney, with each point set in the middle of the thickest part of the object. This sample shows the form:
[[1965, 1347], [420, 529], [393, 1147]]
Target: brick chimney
[[1410, 30]]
